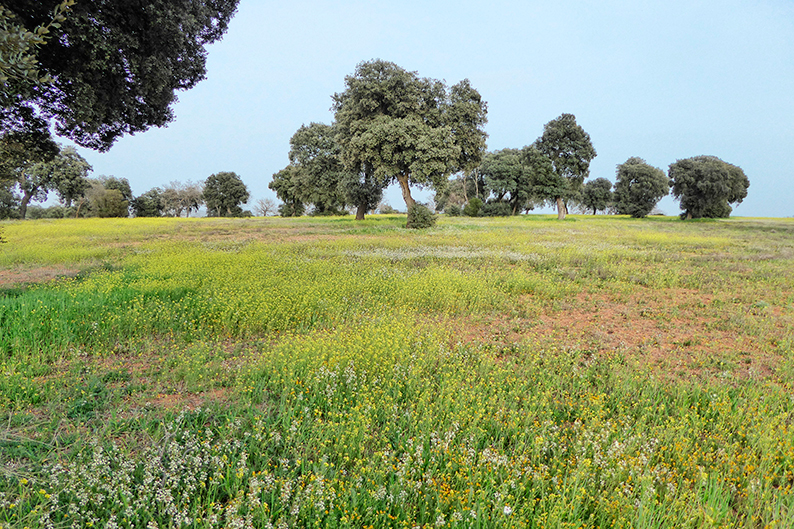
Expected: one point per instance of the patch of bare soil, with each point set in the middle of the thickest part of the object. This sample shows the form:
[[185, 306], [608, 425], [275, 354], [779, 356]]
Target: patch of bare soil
[[189, 401], [18, 277], [674, 332]]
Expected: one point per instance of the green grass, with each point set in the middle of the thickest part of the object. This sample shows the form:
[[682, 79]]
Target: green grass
[[521, 372]]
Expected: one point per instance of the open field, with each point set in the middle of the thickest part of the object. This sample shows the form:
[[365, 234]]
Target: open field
[[519, 372]]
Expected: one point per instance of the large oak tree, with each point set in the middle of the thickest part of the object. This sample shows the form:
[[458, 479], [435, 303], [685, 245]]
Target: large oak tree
[[570, 151], [224, 193], [707, 186], [639, 187], [396, 126]]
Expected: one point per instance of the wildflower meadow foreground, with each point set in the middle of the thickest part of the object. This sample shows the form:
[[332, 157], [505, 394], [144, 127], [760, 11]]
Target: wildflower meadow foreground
[[517, 372]]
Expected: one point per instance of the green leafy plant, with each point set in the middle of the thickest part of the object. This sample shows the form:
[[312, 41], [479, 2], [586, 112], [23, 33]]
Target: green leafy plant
[[472, 208], [419, 216]]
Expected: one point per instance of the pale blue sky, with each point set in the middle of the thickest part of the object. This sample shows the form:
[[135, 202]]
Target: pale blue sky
[[662, 80]]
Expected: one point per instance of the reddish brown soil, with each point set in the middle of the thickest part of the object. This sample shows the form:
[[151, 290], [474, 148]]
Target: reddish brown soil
[[664, 330], [10, 278]]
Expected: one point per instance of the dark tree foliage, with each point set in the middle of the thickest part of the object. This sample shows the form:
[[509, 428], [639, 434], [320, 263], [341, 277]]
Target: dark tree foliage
[[597, 195], [224, 193], [316, 155], [106, 203], [122, 185], [362, 191], [395, 126], [508, 178], [547, 185], [9, 204], [473, 207], [639, 187], [707, 186], [496, 209], [570, 151], [149, 204], [286, 184], [291, 209], [19, 68], [115, 64], [24, 138]]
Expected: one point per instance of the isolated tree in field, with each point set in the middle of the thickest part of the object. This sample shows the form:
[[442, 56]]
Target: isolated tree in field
[[639, 187], [171, 202], [224, 193], [114, 65], [178, 198], [265, 207], [707, 186], [467, 114], [597, 195], [122, 185], [569, 149], [395, 126]]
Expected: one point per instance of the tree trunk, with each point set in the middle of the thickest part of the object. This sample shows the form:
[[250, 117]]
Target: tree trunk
[[465, 193], [594, 211], [23, 206], [409, 200], [360, 210], [561, 209]]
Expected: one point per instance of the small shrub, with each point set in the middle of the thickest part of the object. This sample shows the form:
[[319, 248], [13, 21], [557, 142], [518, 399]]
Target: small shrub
[[496, 209], [472, 209], [419, 216], [453, 210]]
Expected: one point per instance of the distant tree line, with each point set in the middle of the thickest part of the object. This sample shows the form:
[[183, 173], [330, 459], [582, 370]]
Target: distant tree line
[[26, 178], [390, 125], [552, 171]]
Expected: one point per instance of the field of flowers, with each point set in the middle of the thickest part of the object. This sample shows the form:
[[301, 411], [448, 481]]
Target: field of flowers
[[520, 372]]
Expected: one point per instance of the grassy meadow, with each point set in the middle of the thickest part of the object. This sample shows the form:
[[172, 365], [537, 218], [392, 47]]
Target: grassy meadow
[[520, 372]]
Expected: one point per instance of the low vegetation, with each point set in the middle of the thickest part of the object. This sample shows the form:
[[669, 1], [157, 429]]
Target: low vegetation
[[323, 372]]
